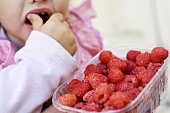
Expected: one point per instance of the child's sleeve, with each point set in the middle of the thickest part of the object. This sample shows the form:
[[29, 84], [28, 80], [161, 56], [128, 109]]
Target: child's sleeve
[[40, 67]]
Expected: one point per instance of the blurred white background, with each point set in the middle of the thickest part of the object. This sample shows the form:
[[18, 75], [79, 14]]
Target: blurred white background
[[136, 22], [143, 23], [128, 21]]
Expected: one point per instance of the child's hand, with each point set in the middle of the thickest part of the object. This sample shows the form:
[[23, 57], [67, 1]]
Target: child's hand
[[56, 28]]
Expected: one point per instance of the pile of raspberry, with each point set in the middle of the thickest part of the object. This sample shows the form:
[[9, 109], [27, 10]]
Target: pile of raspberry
[[114, 82]]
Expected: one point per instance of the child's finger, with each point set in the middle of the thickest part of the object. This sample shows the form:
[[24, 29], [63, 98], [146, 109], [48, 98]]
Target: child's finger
[[66, 24], [57, 16], [36, 21]]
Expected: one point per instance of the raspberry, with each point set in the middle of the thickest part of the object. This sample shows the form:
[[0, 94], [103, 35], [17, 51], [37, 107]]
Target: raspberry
[[80, 89], [103, 68], [86, 79], [133, 93], [115, 76], [140, 88], [107, 108], [132, 79], [92, 107], [117, 63], [124, 86], [68, 99], [159, 54], [95, 79], [79, 105], [146, 76], [143, 59], [91, 68], [131, 55], [102, 93], [72, 84], [137, 70], [89, 96], [105, 56], [118, 100], [154, 66], [112, 87], [130, 66]]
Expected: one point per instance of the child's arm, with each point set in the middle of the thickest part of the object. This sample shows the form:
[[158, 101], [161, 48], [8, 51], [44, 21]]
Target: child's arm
[[40, 67]]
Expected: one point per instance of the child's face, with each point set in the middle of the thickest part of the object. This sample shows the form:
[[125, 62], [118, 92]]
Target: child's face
[[13, 14]]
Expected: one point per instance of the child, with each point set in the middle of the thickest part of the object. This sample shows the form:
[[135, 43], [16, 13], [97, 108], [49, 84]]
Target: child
[[36, 49]]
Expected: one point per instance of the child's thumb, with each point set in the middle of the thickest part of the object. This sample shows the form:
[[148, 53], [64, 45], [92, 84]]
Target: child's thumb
[[36, 21]]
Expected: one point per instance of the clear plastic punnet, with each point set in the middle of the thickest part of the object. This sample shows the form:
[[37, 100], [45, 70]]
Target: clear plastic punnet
[[146, 102]]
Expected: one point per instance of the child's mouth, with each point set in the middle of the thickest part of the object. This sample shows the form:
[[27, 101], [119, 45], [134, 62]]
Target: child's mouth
[[44, 16]]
